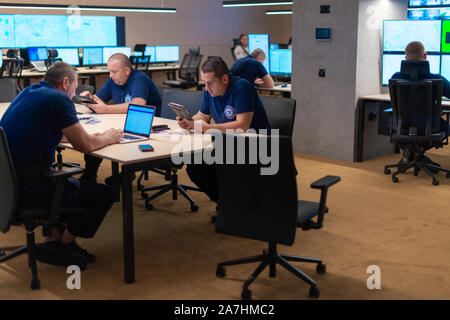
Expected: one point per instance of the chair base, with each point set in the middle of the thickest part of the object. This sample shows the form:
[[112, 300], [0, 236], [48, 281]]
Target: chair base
[[421, 162], [269, 259], [172, 186]]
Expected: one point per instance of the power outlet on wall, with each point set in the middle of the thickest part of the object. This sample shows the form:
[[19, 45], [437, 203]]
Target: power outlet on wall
[[325, 8], [322, 73]]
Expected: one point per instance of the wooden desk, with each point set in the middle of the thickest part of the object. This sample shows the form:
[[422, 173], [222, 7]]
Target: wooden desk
[[286, 91]]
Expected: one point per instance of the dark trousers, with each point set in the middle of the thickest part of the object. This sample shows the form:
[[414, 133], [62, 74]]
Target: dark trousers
[[91, 166], [96, 198], [204, 176]]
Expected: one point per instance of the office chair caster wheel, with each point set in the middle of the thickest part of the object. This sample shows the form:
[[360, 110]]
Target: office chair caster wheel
[[435, 182], [387, 171], [148, 206], [448, 175], [220, 272], [321, 268], [194, 208], [35, 284], [144, 195], [314, 292], [395, 179], [246, 294]]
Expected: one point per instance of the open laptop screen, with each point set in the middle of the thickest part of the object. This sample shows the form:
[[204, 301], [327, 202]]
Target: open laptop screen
[[139, 120]]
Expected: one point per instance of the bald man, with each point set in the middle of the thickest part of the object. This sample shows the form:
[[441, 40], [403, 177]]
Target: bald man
[[124, 85]]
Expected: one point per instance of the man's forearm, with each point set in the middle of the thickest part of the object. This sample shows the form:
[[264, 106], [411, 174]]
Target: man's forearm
[[117, 108]]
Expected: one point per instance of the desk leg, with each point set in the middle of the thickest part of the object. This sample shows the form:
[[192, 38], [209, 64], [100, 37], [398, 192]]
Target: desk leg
[[128, 233], [116, 179]]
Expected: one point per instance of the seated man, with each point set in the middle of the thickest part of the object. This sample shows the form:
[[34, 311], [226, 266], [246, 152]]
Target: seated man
[[252, 69], [48, 116], [125, 85], [233, 104], [415, 51]]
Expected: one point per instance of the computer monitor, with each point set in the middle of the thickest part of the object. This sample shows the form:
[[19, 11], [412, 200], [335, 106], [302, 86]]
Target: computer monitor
[[260, 41], [281, 62], [392, 63], [445, 66], [167, 53], [109, 51], [92, 56], [69, 55], [37, 53], [1, 58], [150, 51], [398, 33]]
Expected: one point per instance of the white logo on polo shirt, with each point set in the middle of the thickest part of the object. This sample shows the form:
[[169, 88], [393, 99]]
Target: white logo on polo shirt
[[229, 112]]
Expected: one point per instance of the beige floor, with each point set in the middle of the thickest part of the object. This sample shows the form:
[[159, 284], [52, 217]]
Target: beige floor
[[403, 228]]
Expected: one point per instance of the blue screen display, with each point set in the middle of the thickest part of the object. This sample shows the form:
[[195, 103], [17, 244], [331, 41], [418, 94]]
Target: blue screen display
[[139, 120], [40, 30], [86, 31], [92, 56], [69, 55], [167, 53], [259, 41], [109, 51], [398, 33], [7, 37], [419, 3], [38, 54], [281, 62], [150, 51]]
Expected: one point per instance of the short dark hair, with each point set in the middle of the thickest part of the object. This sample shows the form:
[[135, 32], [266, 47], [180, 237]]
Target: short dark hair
[[216, 65], [57, 72]]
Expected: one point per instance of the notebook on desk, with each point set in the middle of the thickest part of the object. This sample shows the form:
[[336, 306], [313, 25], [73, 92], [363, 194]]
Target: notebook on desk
[[138, 123]]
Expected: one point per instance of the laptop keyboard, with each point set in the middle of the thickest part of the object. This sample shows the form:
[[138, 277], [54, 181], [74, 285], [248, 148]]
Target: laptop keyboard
[[128, 137]]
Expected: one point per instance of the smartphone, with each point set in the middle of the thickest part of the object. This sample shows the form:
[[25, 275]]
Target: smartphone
[[145, 147]]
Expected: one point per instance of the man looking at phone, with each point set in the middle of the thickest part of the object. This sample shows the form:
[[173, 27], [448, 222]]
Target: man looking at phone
[[37, 120], [125, 85], [233, 104]]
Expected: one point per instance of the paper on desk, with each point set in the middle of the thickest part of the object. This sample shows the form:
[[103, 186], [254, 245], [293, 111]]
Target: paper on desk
[[175, 132], [89, 120], [82, 108]]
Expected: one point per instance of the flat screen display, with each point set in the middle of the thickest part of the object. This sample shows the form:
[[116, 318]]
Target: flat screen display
[[38, 53], [281, 62], [398, 33], [259, 41], [109, 51], [392, 64], [150, 51], [445, 66], [41, 30], [85, 31], [92, 56], [69, 55], [7, 37], [167, 53]]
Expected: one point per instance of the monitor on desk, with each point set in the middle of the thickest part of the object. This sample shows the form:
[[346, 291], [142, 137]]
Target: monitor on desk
[[260, 41], [392, 63], [109, 51], [69, 55], [281, 62], [92, 56], [37, 53], [167, 54], [150, 51], [1, 60]]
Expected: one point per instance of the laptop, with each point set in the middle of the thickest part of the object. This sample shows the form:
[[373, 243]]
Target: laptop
[[39, 66], [138, 123]]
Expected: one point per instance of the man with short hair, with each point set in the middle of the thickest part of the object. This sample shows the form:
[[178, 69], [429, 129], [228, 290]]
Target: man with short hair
[[37, 120], [124, 86], [252, 69], [233, 104]]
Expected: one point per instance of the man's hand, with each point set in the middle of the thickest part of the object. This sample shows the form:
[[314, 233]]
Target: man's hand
[[259, 82], [99, 106], [185, 123], [88, 94], [113, 135]]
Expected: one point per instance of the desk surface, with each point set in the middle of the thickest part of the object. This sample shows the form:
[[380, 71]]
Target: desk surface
[[277, 88]]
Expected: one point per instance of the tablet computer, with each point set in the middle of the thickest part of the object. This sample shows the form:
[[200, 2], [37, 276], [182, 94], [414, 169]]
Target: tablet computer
[[180, 111]]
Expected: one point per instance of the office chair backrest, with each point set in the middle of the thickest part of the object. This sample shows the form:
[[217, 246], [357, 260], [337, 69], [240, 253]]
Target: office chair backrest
[[140, 48], [12, 68], [281, 113], [416, 104], [415, 68], [189, 68], [191, 100], [251, 204], [8, 89], [52, 53], [8, 185]]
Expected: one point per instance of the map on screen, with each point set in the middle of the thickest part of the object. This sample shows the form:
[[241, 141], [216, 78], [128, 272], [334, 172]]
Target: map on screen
[[92, 31], [40, 30], [7, 39], [259, 41], [397, 34], [392, 64], [109, 51], [150, 51]]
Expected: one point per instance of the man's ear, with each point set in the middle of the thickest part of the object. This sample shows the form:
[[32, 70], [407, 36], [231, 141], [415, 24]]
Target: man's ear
[[65, 83]]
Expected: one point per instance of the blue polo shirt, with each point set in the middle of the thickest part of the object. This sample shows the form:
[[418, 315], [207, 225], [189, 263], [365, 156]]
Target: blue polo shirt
[[240, 97], [248, 68], [138, 85], [34, 120]]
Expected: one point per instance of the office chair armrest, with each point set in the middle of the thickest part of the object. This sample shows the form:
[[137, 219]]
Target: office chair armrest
[[63, 174], [323, 184]]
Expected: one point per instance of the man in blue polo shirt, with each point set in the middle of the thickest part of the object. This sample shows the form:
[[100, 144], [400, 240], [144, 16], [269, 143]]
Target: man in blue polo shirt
[[125, 85], [252, 69], [233, 104], [37, 120]]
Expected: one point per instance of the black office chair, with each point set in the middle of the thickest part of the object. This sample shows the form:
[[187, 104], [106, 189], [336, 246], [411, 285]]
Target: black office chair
[[416, 106], [52, 58], [265, 207], [140, 48], [191, 100], [138, 61], [12, 69], [13, 213], [8, 90], [189, 70], [235, 43], [280, 113]]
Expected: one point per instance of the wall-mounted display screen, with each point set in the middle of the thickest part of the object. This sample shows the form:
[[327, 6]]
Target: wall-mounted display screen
[[398, 33], [109, 51]]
